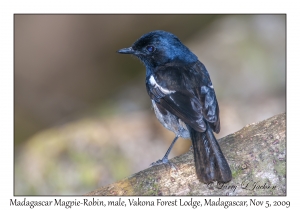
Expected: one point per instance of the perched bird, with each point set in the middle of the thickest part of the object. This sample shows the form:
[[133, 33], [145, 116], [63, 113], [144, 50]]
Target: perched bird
[[183, 99]]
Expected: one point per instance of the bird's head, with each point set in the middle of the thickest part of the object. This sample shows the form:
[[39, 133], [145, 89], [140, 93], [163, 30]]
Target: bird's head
[[158, 48]]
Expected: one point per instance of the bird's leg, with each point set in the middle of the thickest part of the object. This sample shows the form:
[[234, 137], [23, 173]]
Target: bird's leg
[[165, 158]]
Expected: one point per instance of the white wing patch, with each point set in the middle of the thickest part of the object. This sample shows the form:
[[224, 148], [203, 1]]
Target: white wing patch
[[163, 90], [152, 80]]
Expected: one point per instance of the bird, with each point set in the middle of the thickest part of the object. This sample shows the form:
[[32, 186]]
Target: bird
[[183, 99]]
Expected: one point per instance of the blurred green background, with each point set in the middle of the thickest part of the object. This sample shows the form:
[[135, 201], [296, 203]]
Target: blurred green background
[[82, 116]]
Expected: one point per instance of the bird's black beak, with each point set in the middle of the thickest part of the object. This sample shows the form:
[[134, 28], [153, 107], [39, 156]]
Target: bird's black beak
[[128, 50]]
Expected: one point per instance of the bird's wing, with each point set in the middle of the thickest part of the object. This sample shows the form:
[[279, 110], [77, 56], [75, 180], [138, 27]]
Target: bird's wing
[[186, 92]]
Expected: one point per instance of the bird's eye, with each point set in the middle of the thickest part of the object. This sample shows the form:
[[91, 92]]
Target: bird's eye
[[150, 48]]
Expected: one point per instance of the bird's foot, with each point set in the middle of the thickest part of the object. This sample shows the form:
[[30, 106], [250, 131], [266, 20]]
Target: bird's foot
[[163, 161], [160, 161]]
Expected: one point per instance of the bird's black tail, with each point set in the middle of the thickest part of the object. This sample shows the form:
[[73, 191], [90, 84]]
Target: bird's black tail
[[210, 162]]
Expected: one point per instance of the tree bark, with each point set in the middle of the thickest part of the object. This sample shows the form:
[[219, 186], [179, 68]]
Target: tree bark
[[256, 155]]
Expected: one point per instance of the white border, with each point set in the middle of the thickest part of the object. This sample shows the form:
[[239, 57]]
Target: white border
[[8, 8]]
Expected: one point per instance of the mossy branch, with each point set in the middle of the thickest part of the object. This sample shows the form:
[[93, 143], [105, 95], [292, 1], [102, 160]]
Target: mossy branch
[[256, 155]]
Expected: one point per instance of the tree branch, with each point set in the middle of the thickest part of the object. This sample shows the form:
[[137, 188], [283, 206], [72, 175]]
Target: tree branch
[[256, 155]]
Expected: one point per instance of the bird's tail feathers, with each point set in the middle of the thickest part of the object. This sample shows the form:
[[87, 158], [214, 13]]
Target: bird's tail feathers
[[210, 162]]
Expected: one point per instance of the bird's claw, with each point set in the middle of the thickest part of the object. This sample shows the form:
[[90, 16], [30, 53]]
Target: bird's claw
[[160, 161]]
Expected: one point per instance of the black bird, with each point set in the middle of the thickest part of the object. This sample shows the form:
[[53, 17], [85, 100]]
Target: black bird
[[183, 99]]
